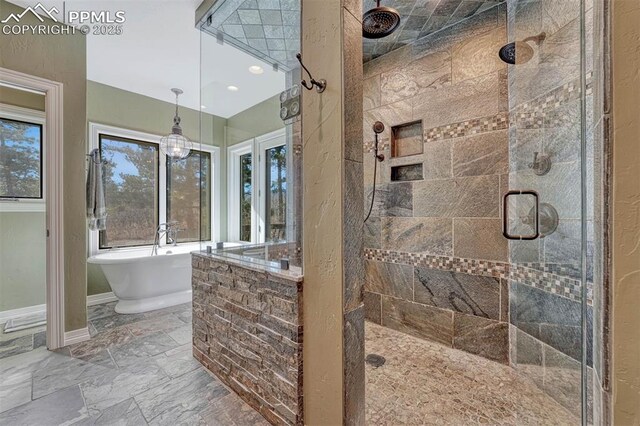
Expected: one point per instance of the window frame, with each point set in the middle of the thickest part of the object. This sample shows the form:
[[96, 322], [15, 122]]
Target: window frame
[[159, 184], [234, 152], [264, 143], [29, 116], [212, 153], [256, 147], [96, 129]]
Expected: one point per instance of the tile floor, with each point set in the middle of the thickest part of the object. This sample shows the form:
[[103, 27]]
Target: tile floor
[[425, 383], [19, 342], [136, 370]]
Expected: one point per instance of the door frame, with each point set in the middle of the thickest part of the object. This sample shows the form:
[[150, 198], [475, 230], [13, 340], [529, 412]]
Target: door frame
[[52, 160]]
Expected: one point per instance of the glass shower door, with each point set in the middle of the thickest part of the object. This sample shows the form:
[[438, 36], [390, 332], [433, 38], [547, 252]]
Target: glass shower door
[[544, 209]]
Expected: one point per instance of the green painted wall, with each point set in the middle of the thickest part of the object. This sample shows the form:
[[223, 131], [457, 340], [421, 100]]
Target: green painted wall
[[258, 120], [120, 108], [23, 258], [22, 236], [144, 114], [21, 98], [61, 58]]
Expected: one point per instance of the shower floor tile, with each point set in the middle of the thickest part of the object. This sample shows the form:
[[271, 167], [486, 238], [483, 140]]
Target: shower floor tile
[[426, 383]]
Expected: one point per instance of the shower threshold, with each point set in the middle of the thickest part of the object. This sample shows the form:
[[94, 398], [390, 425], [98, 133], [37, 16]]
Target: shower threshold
[[423, 382]]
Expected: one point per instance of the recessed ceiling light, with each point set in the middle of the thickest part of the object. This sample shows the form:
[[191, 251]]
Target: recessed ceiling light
[[256, 69], [232, 88], [203, 106]]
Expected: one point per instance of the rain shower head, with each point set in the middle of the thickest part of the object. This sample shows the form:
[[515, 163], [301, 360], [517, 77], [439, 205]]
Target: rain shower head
[[520, 52], [380, 22]]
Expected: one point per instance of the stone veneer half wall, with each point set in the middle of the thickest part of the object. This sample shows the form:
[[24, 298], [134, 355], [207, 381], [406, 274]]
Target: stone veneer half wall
[[247, 330], [435, 258]]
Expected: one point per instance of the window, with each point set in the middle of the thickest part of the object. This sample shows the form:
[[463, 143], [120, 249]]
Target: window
[[240, 193], [276, 193], [189, 196], [144, 188], [257, 191], [131, 186], [20, 159], [246, 190]]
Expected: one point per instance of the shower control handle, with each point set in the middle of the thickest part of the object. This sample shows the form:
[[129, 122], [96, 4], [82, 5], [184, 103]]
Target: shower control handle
[[505, 216]]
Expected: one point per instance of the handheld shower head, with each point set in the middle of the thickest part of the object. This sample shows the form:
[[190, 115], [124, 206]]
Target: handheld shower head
[[378, 127]]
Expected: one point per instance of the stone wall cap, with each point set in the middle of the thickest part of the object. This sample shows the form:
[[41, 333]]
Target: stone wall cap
[[294, 274]]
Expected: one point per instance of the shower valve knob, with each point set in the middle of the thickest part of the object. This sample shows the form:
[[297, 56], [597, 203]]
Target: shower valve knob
[[541, 164]]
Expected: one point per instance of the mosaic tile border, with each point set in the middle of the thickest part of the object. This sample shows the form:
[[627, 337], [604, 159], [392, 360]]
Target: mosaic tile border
[[383, 145], [532, 114], [551, 283], [543, 280], [448, 263], [461, 129], [564, 269], [469, 127]]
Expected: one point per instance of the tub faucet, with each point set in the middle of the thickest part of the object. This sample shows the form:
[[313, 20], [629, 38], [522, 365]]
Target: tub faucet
[[170, 230]]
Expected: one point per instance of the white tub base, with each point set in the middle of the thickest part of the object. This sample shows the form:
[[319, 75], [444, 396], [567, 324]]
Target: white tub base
[[143, 282], [137, 306]]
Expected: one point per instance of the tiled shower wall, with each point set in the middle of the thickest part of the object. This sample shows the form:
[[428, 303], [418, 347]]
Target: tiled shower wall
[[435, 256], [437, 265]]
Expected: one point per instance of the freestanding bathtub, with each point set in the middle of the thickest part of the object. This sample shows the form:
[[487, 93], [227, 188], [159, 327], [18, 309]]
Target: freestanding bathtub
[[143, 282]]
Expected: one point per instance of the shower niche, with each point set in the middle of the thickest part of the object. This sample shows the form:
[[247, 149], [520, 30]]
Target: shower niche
[[407, 139], [406, 173]]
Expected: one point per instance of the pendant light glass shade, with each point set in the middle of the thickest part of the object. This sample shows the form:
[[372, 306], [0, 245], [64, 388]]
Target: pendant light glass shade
[[176, 145]]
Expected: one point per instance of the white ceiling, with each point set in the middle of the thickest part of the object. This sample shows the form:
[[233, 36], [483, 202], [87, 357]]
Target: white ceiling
[[160, 48]]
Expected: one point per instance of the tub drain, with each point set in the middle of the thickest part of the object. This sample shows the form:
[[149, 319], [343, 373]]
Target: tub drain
[[375, 360]]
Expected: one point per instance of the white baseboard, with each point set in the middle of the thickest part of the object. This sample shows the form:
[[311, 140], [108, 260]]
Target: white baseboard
[[21, 312], [99, 299], [76, 336]]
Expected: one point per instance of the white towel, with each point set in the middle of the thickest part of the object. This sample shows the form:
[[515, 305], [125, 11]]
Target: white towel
[[96, 208]]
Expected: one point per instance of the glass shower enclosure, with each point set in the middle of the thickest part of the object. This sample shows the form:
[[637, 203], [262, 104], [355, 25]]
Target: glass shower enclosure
[[488, 171], [251, 115], [548, 209]]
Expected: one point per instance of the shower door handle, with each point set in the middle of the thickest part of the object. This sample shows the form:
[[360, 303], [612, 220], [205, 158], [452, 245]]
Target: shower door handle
[[505, 216]]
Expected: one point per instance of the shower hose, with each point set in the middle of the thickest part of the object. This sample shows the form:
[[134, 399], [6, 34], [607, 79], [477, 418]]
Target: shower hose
[[375, 172]]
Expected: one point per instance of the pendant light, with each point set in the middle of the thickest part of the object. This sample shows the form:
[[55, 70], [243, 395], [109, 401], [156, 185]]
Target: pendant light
[[176, 145]]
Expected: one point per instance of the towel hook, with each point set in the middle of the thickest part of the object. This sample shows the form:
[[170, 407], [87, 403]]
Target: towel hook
[[320, 85], [92, 157]]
